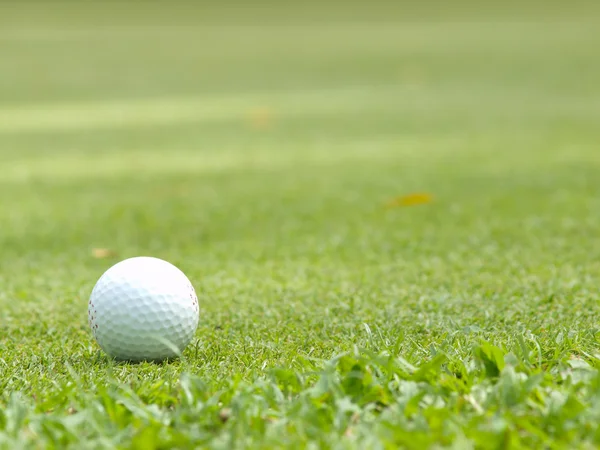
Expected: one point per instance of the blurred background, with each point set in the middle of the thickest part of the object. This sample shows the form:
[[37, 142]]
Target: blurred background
[[136, 125]]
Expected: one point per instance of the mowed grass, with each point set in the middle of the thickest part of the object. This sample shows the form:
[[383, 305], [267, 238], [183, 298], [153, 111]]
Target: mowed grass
[[265, 155]]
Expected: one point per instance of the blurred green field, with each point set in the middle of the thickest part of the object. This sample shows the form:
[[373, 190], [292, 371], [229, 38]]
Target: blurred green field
[[258, 149]]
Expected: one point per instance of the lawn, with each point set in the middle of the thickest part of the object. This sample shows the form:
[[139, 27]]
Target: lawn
[[272, 155]]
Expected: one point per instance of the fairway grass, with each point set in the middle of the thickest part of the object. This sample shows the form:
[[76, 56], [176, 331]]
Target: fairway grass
[[269, 163]]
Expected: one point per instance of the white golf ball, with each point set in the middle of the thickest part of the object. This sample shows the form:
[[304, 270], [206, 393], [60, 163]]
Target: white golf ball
[[143, 308]]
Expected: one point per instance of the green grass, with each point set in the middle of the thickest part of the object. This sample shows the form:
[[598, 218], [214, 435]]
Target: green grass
[[327, 319]]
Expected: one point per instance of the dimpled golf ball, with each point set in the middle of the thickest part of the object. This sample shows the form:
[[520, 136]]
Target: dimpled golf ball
[[143, 308]]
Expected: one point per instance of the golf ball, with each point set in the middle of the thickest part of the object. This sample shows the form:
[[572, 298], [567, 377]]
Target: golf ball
[[143, 308]]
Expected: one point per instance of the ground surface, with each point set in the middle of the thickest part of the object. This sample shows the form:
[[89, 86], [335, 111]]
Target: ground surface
[[262, 161]]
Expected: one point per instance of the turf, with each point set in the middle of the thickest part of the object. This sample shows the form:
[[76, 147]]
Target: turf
[[269, 156]]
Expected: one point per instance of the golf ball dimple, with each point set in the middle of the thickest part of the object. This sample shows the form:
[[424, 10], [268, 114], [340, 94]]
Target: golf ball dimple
[[143, 308]]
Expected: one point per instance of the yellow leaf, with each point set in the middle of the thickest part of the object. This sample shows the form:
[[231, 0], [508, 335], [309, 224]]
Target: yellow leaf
[[101, 253], [261, 118], [418, 198]]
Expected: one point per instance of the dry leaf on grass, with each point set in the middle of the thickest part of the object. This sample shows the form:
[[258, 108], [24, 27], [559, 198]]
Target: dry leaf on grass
[[418, 198], [101, 253], [260, 118]]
